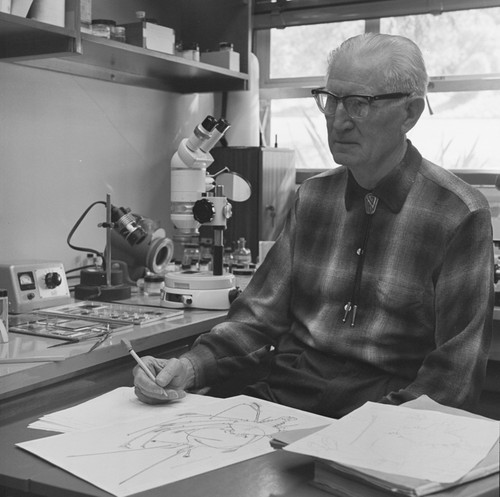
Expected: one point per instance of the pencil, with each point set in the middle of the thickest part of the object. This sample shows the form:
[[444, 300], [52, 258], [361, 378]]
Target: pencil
[[138, 359]]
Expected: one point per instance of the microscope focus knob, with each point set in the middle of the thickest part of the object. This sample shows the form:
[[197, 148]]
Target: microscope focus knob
[[203, 210], [53, 280]]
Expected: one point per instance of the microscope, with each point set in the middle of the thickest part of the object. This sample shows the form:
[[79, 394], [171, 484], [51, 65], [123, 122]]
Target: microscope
[[134, 245], [201, 199]]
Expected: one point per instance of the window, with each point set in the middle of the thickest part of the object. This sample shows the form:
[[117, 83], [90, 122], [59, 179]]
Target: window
[[462, 53], [300, 51]]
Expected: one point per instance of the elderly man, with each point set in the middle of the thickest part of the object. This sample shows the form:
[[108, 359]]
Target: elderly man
[[380, 286]]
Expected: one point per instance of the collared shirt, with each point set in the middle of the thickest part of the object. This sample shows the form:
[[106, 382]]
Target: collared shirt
[[424, 290]]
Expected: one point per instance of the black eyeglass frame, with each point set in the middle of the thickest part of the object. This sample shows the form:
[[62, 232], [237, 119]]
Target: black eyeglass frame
[[370, 98]]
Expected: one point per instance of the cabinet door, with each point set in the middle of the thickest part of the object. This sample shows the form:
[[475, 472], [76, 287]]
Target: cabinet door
[[271, 174], [245, 161], [277, 190]]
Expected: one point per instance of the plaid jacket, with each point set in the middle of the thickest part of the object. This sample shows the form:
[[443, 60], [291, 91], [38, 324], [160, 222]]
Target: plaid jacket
[[419, 270]]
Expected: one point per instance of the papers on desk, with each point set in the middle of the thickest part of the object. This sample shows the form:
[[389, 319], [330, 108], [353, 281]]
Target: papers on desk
[[402, 449], [116, 406], [163, 445]]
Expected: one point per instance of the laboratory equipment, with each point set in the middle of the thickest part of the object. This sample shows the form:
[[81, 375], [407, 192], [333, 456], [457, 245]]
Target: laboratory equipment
[[151, 256], [201, 199], [34, 285], [242, 255], [138, 245], [271, 172], [198, 289], [4, 315]]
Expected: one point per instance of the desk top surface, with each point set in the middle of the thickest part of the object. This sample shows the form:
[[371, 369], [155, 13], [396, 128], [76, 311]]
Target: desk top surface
[[279, 473], [23, 377]]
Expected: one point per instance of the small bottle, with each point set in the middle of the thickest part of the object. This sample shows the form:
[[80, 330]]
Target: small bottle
[[242, 255], [141, 16], [153, 283], [102, 27], [191, 51], [225, 46], [4, 316], [228, 260], [118, 33], [243, 276], [191, 257]]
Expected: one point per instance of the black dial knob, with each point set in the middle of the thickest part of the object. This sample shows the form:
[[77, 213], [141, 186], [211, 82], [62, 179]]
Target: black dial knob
[[53, 280], [203, 210]]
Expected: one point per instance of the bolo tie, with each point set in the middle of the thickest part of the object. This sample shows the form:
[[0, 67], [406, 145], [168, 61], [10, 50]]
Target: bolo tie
[[351, 308]]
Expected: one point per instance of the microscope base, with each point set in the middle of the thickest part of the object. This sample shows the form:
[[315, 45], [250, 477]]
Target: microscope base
[[103, 293], [198, 290]]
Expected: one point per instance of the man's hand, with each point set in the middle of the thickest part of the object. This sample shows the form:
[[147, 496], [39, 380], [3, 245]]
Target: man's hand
[[173, 376]]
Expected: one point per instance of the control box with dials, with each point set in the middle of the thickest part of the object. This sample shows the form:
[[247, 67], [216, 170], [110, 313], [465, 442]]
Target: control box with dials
[[34, 285]]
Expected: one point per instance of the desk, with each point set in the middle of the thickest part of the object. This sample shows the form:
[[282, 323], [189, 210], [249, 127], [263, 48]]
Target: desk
[[279, 473], [32, 388], [28, 391]]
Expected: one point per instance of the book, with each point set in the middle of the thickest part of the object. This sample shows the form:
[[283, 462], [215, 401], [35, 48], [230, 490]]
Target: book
[[351, 482], [348, 480]]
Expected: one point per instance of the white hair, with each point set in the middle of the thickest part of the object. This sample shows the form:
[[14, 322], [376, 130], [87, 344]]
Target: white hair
[[404, 67]]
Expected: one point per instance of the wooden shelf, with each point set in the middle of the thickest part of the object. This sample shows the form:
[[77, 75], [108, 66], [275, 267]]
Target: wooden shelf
[[41, 45], [22, 38]]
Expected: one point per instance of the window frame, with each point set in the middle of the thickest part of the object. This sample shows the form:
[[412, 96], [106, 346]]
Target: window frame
[[268, 14]]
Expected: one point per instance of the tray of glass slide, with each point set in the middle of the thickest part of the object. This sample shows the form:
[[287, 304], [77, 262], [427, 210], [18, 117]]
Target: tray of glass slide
[[107, 312], [62, 328]]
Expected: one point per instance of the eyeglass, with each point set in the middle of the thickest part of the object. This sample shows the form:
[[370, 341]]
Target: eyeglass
[[356, 106]]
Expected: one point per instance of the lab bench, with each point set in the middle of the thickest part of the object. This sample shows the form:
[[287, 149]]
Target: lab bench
[[29, 390], [45, 386]]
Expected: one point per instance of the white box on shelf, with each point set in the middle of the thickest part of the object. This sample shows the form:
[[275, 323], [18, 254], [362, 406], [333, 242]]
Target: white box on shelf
[[151, 36], [20, 7], [5, 6], [223, 58]]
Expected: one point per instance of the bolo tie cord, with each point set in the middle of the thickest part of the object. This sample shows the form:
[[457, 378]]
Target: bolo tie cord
[[371, 202]]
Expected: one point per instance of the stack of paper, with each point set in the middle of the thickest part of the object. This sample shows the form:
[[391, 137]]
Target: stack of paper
[[113, 407], [402, 449], [159, 445]]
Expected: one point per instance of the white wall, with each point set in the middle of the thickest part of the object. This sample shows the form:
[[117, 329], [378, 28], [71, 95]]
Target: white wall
[[66, 142]]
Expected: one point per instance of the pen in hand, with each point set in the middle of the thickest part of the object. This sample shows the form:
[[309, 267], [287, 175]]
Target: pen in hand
[[138, 359]]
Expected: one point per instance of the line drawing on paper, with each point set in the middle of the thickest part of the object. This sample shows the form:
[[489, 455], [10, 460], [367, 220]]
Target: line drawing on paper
[[419, 446], [201, 435]]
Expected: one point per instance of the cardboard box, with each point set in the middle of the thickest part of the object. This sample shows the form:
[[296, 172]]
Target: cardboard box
[[151, 36], [86, 16], [5, 6], [20, 7], [224, 58]]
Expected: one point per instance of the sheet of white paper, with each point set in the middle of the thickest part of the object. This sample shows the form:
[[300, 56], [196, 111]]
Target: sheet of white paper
[[148, 452], [421, 444], [113, 407]]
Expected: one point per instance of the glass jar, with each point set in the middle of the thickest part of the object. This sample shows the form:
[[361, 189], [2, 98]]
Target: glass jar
[[153, 283], [243, 276], [191, 257], [102, 27], [190, 51], [225, 46], [242, 255], [118, 33]]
